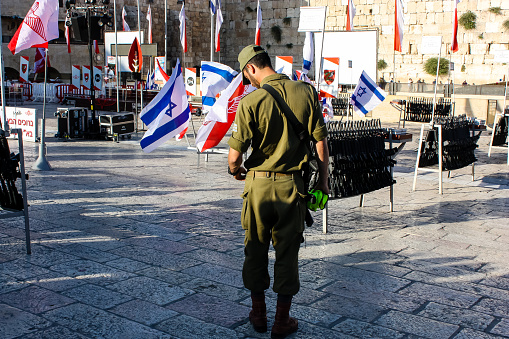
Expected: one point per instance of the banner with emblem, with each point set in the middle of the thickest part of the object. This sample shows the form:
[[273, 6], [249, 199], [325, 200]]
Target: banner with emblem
[[86, 77], [284, 65], [98, 78], [23, 68], [75, 77], [190, 81], [329, 79]]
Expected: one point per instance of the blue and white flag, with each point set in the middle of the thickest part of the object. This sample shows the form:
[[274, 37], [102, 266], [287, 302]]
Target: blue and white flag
[[215, 77], [307, 52], [167, 114], [212, 5], [367, 95], [150, 84]]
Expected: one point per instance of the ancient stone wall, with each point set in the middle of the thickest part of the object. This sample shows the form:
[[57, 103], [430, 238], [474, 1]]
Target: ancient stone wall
[[433, 18], [473, 62]]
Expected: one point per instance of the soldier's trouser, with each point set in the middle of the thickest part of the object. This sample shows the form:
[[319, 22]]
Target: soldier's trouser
[[274, 208]]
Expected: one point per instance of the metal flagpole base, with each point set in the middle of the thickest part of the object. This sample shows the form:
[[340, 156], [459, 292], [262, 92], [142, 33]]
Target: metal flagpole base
[[41, 164]]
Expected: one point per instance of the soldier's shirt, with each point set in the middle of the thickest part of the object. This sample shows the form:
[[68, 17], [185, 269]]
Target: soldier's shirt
[[261, 124]]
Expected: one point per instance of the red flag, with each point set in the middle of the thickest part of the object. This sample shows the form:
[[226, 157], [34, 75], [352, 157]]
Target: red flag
[[398, 25], [183, 37], [67, 39], [219, 22], [351, 14], [221, 116], [258, 24], [149, 18], [163, 73], [135, 58], [40, 55], [454, 44], [39, 26], [96, 47]]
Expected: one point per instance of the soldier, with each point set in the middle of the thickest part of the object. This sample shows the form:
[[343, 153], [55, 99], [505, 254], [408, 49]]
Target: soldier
[[274, 204]]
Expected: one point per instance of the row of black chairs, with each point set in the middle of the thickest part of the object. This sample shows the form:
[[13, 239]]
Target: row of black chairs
[[458, 144], [421, 109], [359, 161]]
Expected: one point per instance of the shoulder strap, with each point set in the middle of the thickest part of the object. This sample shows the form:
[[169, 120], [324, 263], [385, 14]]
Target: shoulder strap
[[299, 129]]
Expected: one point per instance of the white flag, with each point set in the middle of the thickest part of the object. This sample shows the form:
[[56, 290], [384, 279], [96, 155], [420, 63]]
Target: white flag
[[219, 22], [308, 52], [258, 24], [399, 22], [124, 23], [149, 18], [183, 37], [39, 26], [351, 14], [367, 95]]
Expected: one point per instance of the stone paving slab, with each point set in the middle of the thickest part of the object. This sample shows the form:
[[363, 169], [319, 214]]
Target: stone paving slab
[[134, 245], [16, 322]]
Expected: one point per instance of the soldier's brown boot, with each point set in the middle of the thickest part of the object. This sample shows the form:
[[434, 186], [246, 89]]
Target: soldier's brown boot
[[284, 325], [258, 314]]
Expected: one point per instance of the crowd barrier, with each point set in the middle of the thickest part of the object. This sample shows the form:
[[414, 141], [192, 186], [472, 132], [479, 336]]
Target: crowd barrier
[[28, 91]]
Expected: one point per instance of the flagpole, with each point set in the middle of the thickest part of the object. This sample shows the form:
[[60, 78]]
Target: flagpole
[[165, 35], [41, 164], [436, 84], [5, 124], [505, 94], [320, 69], [139, 27], [116, 54], [212, 35]]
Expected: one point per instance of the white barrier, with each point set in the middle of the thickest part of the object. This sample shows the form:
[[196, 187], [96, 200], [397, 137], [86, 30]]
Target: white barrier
[[38, 91]]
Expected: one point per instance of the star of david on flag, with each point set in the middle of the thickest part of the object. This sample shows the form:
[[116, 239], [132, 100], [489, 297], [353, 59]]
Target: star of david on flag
[[167, 115], [215, 77], [367, 95]]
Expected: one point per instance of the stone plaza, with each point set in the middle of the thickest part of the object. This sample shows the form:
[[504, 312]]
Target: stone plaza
[[134, 245]]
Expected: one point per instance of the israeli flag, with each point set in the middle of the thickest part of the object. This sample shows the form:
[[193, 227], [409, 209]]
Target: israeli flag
[[307, 53], [367, 95], [167, 115], [212, 5], [215, 77], [150, 84]]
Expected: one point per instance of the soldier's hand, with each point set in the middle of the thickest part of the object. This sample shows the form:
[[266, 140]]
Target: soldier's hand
[[241, 174]]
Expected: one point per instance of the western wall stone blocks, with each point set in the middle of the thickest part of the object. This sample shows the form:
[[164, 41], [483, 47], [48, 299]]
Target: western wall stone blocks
[[441, 18], [411, 6], [377, 20], [293, 12], [413, 19], [388, 30], [386, 20], [430, 6], [280, 13], [421, 7], [480, 49], [483, 5], [430, 18]]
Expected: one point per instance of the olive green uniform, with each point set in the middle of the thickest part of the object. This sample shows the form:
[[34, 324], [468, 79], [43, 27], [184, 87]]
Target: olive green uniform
[[274, 206]]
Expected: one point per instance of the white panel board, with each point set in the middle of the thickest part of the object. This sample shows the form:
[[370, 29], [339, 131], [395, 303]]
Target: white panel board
[[358, 46], [312, 19]]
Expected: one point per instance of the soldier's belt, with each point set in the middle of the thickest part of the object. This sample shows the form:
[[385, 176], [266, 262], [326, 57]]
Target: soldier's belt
[[271, 174]]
